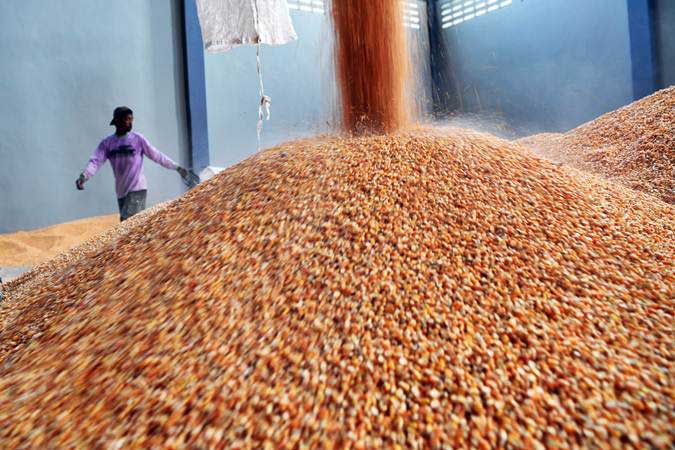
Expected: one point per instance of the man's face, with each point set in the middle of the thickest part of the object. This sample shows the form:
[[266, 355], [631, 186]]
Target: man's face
[[125, 124]]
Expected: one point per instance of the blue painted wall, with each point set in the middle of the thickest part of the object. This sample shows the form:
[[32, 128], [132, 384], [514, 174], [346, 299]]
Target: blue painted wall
[[299, 79], [419, 48], [665, 41], [197, 117], [641, 27], [545, 65], [65, 65]]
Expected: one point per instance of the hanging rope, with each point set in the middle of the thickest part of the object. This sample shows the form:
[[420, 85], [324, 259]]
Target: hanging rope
[[265, 101]]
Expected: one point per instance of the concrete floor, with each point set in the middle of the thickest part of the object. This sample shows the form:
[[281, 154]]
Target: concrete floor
[[9, 273]]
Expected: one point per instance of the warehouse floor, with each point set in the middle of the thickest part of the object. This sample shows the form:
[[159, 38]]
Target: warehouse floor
[[9, 273], [23, 249]]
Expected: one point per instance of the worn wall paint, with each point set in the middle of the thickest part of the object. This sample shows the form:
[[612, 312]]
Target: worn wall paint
[[66, 65], [543, 65]]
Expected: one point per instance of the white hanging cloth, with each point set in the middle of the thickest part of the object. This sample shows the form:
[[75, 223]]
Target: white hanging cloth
[[229, 23]]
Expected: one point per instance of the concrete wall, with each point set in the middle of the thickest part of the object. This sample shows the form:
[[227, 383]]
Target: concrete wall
[[544, 65], [299, 77], [665, 40], [66, 65]]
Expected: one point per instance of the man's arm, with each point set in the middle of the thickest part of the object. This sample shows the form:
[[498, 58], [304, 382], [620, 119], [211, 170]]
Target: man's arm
[[157, 156], [95, 162]]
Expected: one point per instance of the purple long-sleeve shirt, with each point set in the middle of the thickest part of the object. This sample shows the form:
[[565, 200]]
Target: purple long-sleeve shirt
[[126, 158]]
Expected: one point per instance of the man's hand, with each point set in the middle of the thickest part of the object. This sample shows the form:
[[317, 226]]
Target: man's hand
[[182, 171], [189, 178], [79, 183]]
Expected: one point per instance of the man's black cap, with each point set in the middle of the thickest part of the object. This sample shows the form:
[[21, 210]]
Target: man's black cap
[[120, 113]]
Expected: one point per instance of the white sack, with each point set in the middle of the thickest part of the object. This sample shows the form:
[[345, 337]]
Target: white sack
[[210, 172], [229, 23]]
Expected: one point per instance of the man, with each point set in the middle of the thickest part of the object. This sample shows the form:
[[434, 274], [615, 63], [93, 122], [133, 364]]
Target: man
[[125, 150]]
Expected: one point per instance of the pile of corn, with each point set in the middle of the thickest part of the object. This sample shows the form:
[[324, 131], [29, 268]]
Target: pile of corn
[[634, 145], [408, 291], [23, 286]]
